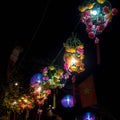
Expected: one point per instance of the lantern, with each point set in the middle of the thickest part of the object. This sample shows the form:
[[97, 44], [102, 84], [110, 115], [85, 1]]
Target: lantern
[[54, 77], [74, 55], [96, 14], [88, 116], [67, 101], [37, 77]]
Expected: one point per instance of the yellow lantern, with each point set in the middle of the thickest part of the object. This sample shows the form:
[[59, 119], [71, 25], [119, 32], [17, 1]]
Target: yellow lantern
[[73, 56]]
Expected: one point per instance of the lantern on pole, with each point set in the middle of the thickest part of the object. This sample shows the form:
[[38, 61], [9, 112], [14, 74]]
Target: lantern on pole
[[73, 58], [96, 14], [54, 78]]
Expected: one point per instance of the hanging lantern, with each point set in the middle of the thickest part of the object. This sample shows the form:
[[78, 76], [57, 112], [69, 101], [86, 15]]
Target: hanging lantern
[[37, 77], [88, 116], [74, 55], [96, 14], [67, 101], [54, 77]]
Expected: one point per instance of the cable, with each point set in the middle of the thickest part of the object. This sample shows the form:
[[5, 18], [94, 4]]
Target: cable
[[63, 47], [29, 45], [41, 21]]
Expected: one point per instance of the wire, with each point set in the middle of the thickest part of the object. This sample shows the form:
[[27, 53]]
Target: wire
[[34, 35], [63, 47], [41, 21], [57, 56]]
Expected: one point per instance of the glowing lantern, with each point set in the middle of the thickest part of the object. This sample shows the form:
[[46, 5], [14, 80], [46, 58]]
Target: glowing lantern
[[67, 101], [37, 77], [96, 14], [54, 77], [88, 116], [20, 103], [74, 55]]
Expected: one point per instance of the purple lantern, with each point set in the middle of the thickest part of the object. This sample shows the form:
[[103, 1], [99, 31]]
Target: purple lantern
[[88, 116], [37, 77], [67, 101]]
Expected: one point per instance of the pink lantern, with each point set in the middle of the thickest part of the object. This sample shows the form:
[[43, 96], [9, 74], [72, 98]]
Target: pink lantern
[[96, 14]]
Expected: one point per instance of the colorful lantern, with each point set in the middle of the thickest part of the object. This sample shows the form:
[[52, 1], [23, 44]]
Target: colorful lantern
[[39, 93], [96, 14], [67, 101], [37, 77], [54, 77], [19, 104], [74, 55], [88, 116]]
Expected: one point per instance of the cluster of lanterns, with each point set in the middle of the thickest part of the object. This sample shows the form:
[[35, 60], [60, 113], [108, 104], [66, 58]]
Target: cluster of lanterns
[[95, 15], [19, 104], [51, 77]]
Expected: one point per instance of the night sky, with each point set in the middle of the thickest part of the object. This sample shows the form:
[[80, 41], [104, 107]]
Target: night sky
[[42, 27]]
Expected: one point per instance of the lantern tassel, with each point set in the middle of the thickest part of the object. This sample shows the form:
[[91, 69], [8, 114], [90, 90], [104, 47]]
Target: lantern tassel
[[27, 114], [54, 99], [14, 116], [8, 115], [39, 112], [98, 50]]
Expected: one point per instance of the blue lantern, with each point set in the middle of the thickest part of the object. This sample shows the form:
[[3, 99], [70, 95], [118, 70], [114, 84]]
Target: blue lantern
[[88, 116], [37, 77], [67, 101]]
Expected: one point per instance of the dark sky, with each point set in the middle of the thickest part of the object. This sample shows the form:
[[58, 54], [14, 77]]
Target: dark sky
[[42, 27]]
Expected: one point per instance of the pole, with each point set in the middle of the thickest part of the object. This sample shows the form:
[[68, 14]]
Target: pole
[[54, 99], [98, 50], [73, 89]]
